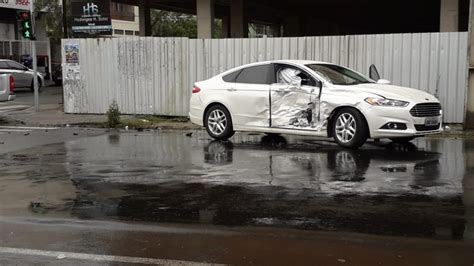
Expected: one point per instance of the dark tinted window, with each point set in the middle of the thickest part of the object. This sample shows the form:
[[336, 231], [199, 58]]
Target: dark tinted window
[[231, 77], [255, 74]]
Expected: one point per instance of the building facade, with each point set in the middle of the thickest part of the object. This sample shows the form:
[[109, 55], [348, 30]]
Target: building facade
[[124, 19]]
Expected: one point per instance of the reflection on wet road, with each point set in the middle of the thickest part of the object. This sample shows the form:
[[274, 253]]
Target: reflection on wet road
[[422, 189]]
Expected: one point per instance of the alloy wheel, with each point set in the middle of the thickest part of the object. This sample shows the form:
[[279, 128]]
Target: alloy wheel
[[217, 122], [345, 127]]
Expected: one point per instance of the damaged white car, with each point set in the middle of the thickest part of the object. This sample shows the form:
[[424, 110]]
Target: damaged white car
[[315, 99]]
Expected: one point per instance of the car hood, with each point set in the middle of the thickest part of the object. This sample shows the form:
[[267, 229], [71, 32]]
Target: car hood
[[393, 92]]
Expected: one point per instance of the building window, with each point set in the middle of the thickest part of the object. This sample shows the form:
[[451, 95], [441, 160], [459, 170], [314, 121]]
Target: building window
[[118, 32], [137, 33], [129, 32], [118, 7]]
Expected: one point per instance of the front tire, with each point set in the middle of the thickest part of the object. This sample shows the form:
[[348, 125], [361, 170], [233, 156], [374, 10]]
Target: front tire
[[218, 123], [349, 128]]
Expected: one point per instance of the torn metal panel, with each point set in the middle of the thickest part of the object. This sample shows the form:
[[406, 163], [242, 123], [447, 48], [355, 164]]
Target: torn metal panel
[[294, 107]]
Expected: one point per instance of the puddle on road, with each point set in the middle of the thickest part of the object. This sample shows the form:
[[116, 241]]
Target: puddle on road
[[423, 189]]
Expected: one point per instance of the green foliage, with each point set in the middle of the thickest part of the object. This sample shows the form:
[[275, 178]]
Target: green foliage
[[171, 24], [113, 115], [51, 15]]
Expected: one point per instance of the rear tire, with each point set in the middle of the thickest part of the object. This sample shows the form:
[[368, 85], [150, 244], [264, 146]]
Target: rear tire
[[218, 123], [349, 128]]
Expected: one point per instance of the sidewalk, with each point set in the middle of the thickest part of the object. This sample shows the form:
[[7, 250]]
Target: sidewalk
[[52, 114]]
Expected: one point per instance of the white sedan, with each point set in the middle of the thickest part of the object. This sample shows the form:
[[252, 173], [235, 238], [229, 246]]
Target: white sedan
[[312, 98]]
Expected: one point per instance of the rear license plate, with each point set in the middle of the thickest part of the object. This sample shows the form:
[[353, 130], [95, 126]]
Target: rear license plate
[[431, 121]]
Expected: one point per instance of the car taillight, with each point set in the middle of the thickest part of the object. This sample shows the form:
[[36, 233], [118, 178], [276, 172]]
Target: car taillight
[[12, 84], [196, 89]]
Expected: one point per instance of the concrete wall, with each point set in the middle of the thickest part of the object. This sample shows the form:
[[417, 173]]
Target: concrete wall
[[7, 31], [155, 75]]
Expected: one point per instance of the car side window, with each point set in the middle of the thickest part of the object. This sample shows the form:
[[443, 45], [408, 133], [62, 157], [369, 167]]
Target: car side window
[[287, 74], [3, 65], [256, 74], [232, 76], [15, 66]]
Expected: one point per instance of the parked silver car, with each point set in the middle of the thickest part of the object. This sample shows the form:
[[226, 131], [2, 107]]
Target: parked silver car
[[23, 75], [7, 85]]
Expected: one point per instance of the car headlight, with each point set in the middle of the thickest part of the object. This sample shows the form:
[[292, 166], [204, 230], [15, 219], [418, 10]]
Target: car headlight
[[386, 102]]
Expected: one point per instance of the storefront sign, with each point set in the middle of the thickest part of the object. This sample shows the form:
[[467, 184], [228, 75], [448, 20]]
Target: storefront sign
[[91, 18], [16, 4]]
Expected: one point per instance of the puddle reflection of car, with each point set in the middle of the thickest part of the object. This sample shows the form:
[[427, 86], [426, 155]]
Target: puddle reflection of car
[[329, 163], [315, 99]]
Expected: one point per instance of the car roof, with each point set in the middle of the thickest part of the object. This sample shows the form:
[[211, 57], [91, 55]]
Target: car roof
[[300, 62], [291, 62]]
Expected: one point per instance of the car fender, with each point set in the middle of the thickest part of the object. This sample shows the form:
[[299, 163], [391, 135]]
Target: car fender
[[208, 104]]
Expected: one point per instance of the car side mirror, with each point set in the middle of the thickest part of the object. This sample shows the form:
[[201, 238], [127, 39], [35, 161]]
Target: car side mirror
[[373, 73]]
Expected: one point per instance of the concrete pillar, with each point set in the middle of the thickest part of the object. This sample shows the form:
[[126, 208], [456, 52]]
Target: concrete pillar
[[144, 18], [205, 18], [449, 16], [225, 27], [238, 21], [469, 116]]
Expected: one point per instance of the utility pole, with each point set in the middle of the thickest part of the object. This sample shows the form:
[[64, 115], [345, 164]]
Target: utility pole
[[35, 59], [64, 17]]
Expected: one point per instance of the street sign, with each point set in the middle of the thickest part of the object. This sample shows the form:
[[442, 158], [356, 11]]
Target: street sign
[[91, 18], [16, 4]]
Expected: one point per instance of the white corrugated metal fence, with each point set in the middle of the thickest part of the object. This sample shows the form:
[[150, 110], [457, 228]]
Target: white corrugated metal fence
[[148, 75]]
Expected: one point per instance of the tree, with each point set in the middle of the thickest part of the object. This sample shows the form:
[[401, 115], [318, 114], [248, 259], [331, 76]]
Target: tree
[[50, 13], [171, 24]]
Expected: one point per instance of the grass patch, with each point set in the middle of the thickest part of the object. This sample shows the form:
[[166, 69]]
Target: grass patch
[[149, 121]]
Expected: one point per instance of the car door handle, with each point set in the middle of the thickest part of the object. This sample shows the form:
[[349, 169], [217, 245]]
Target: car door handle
[[231, 89]]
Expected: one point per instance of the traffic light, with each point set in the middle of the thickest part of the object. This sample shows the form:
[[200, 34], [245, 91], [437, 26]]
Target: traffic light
[[26, 27]]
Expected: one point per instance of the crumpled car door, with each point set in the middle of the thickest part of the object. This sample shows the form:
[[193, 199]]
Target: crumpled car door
[[294, 107]]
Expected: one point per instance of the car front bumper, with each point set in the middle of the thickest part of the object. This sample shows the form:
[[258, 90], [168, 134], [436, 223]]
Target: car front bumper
[[377, 117]]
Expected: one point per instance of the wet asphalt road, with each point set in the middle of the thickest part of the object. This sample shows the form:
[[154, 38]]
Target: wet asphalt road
[[252, 200]]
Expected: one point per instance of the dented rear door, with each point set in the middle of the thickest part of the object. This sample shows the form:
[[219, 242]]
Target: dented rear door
[[249, 96]]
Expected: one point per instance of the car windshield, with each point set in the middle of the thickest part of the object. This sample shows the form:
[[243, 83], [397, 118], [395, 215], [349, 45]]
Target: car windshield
[[338, 75]]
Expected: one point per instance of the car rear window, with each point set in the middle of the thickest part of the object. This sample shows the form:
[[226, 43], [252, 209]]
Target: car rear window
[[232, 76], [255, 74]]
